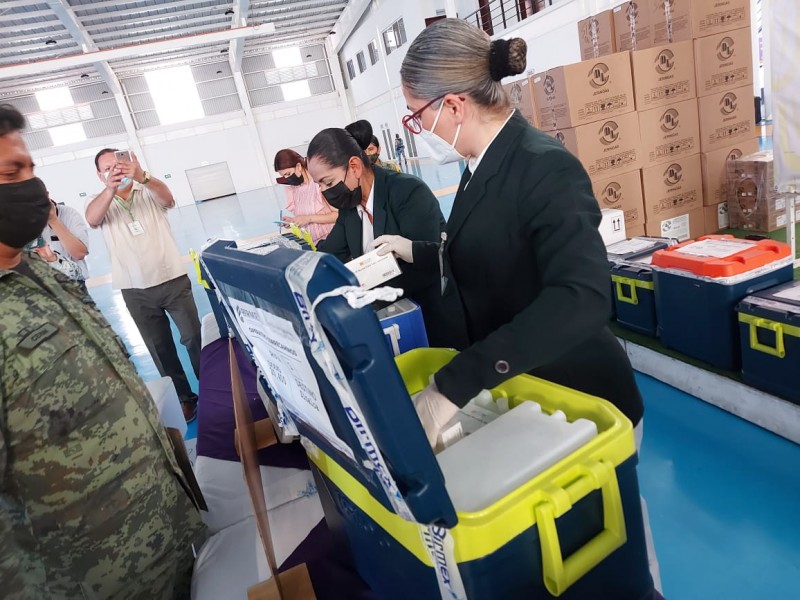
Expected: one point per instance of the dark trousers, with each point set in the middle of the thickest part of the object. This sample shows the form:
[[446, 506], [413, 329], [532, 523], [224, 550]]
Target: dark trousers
[[149, 308]]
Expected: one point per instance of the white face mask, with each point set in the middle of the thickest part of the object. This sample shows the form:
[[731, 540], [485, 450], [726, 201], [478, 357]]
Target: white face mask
[[443, 152]]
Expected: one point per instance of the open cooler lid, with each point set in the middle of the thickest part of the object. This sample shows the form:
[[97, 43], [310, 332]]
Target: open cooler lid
[[636, 248], [721, 256], [270, 317]]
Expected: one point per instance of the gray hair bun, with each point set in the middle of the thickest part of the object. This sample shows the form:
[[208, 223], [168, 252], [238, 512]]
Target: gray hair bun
[[507, 58]]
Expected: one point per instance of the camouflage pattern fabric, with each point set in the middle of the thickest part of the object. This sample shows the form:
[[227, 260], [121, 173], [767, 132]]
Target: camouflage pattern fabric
[[92, 502]]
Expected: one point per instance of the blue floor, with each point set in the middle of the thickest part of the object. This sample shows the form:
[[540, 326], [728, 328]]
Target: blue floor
[[722, 493]]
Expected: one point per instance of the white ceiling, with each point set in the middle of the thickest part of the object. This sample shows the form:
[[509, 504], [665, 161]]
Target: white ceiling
[[47, 30]]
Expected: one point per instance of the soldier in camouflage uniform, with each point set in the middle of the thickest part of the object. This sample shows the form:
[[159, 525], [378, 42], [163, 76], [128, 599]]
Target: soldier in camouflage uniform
[[92, 501]]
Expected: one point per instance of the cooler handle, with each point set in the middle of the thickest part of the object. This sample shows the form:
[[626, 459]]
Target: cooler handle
[[633, 297], [779, 349], [559, 574]]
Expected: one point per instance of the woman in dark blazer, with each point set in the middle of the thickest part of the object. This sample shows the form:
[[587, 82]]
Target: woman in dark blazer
[[373, 202], [523, 264]]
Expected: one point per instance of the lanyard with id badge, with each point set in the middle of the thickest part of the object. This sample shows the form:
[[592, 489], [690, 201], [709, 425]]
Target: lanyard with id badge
[[134, 226]]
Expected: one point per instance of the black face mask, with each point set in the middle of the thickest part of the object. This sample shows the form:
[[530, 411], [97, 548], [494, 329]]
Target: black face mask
[[294, 179], [24, 210], [341, 197]]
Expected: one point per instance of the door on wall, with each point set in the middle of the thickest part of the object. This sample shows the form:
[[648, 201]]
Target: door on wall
[[210, 181]]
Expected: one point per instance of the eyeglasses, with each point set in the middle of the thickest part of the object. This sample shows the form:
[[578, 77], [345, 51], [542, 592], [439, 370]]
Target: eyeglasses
[[413, 122]]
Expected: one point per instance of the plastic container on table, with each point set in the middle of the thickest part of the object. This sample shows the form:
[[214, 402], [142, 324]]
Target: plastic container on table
[[698, 284], [769, 327]]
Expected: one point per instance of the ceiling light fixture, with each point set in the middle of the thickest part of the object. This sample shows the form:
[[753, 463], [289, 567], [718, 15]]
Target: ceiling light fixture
[[223, 51], [84, 76], [219, 72], [229, 11], [50, 43]]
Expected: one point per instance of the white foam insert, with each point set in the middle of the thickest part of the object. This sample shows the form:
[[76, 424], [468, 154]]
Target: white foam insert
[[501, 456]]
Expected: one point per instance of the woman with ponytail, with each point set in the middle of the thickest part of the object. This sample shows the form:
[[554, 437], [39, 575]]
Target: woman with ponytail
[[523, 263]]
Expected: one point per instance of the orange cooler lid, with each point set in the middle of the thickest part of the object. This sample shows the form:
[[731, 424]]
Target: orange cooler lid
[[721, 255]]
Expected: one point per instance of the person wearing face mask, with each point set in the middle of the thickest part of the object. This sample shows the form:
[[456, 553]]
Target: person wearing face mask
[[523, 261], [146, 266], [303, 196], [92, 501], [362, 130], [373, 202], [374, 154]]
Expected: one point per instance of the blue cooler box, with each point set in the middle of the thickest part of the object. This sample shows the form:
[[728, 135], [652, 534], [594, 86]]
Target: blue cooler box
[[698, 285], [403, 326], [769, 325], [632, 282], [573, 531], [634, 297]]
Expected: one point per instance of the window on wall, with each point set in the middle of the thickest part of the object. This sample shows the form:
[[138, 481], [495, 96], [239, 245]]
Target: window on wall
[[67, 134], [394, 37], [54, 98], [373, 52], [362, 62], [296, 90], [174, 94], [351, 70]]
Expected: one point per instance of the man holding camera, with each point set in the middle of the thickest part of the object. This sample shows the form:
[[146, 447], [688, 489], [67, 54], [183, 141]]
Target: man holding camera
[[146, 265]]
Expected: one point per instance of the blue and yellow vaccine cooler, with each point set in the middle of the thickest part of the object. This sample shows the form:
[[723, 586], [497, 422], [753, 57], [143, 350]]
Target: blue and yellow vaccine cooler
[[573, 531], [769, 325]]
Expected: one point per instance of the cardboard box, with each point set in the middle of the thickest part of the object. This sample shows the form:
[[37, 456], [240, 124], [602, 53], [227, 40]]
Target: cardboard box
[[753, 198], [623, 192], [681, 20], [671, 21], [663, 75], [635, 231], [712, 17], [521, 95], [607, 148], [596, 35], [632, 29], [716, 218], [672, 189], [715, 173], [726, 119], [584, 92], [612, 226], [723, 62], [687, 226], [669, 132]]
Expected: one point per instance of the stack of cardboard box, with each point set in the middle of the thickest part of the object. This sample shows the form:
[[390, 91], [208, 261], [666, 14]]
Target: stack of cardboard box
[[662, 101]]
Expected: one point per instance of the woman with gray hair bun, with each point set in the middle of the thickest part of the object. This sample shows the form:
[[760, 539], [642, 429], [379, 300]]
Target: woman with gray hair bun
[[522, 264]]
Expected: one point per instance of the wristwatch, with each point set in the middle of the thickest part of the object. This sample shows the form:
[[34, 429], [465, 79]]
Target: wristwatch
[[146, 178]]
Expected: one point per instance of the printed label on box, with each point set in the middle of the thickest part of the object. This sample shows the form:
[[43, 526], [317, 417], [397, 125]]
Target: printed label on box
[[790, 294], [716, 248], [677, 227], [372, 270], [280, 355], [723, 217], [630, 247]]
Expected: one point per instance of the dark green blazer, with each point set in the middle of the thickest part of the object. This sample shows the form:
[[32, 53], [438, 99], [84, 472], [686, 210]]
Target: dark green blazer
[[527, 274]]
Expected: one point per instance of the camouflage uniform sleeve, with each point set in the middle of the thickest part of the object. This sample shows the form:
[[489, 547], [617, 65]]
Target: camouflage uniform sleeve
[[21, 571]]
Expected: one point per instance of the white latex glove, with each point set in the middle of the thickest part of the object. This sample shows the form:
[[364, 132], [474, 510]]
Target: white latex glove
[[434, 411], [397, 244]]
